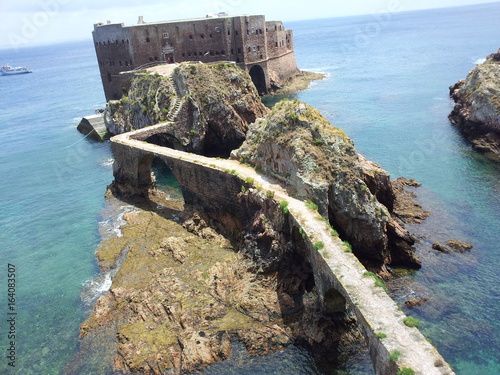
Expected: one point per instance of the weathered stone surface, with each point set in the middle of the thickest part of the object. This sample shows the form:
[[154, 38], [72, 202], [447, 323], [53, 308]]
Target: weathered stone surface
[[94, 126], [318, 162], [415, 302], [453, 246], [177, 302], [477, 106], [211, 105]]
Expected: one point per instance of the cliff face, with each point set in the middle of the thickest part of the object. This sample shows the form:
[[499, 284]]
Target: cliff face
[[477, 105], [318, 162], [211, 106]]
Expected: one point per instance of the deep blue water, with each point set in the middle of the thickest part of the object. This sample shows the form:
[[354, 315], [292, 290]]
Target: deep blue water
[[387, 87]]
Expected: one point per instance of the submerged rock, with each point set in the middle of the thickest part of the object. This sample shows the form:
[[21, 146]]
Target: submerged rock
[[318, 162], [477, 106], [453, 246]]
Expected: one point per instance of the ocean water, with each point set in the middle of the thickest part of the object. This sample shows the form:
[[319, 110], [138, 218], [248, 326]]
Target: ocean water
[[386, 86]]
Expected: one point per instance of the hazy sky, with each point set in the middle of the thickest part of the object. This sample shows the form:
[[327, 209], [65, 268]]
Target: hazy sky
[[32, 22]]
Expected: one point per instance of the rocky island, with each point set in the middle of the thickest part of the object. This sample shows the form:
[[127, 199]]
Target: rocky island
[[190, 276], [477, 106]]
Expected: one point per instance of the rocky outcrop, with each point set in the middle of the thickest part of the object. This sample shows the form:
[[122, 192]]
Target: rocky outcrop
[[183, 294], [318, 162], [453, 246], [477, 106], [211, 106]]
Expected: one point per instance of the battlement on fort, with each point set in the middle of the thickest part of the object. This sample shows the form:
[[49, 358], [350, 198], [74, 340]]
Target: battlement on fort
[[263, 48]]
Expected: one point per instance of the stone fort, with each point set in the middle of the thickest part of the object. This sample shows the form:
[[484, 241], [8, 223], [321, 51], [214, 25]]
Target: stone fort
[[263, 48]]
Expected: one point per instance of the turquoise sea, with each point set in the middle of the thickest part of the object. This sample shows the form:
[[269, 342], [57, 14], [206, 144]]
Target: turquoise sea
[[386, 86]]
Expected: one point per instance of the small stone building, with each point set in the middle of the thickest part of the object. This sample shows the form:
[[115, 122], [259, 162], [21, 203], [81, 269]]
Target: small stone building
[[263, 48]]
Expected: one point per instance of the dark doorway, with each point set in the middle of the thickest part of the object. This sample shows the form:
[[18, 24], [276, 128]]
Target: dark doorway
[[259, 79]]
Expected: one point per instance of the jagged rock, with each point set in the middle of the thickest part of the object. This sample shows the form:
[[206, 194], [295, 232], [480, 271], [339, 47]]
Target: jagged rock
[[459, 246], [477, 106], [211, 105], [406, 209], [162, 316], [415, 302], [378, 181], [317, 161], [453, 246], [440, 247]]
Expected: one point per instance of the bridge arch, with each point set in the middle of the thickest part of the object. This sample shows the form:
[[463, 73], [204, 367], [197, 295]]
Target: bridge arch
[[259, 79]]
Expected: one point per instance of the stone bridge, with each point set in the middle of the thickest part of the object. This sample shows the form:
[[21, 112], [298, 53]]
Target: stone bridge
[[341, 280]]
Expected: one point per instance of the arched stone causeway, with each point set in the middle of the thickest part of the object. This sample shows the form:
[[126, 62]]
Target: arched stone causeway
[[340, 279]]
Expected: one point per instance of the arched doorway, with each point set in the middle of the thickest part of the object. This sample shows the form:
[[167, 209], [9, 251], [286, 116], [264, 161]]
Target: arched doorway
[[154, 173], [259, 79]]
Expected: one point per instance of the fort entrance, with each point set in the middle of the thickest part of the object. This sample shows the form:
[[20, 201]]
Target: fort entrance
[[259, 79]]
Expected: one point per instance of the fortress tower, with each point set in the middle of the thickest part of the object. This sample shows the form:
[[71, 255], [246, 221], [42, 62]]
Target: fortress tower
[[263, 48]]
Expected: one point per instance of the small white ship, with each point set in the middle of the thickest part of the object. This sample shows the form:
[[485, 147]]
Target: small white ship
[[9, 70]]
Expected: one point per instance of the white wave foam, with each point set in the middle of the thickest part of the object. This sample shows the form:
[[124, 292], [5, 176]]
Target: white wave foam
[[112, 226], [479, 61], [94, 288], [107, 162]]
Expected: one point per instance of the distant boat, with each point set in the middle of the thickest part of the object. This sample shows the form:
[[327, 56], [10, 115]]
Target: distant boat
[[9, 70]]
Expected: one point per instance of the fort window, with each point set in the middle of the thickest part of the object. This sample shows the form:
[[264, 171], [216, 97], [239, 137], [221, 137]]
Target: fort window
[[223, 52], [249, 49], [275, 27], [254, 48], [183, 54], [116, 41], [248, 32], [96, 44], [212, 53], [120, 62], [123, 41], [229, 32], [239, 51], [148, 40], [127, 41], [211, 36], [217, 53], [199, 53], [195, 53], [126, 63], [190, 37], [236, 32], [232, 51], [156, 58], [165, 35], [150, 59], [189, 54], [202, 36], [109, 77], [276, 44], [217, 29], [261, 57]]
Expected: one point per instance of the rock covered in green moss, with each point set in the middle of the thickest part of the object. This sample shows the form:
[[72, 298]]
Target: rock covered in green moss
[[210, 106], [318, 162], [477, 105]]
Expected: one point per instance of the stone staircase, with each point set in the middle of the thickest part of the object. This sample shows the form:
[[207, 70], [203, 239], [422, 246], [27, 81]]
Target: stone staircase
[[176, 104]]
